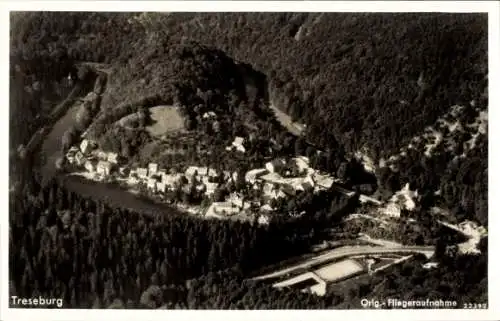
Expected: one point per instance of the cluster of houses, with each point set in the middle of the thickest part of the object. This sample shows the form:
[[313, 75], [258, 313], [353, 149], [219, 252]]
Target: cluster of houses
[[289, 177], [94, 160], [405, 199], [279, 178]]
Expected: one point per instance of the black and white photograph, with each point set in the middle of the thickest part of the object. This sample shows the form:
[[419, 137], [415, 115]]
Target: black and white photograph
[[177, 159]]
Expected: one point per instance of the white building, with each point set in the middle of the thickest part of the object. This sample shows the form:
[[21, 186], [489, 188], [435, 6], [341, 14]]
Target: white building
[[222, 210], [104, 168], [152, 169], [161, 187], [113, 158], [237, 200], [210, 188], [263, 219], [430, 265], [209, 114], [152, 184], [202, 171], [123, 171], [171, 179], [85, 146], [70, 158], [238, 144], [301, 163], [275, 165], [90, 167], [266, 208], [323, 181], [79, 159], [405, 198], [142, 172]]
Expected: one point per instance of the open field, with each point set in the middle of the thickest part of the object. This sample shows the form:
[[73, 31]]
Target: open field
[[338, 270], [165, 119]]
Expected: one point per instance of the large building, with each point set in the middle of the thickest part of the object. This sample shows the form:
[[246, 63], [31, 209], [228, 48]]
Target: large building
[[152, 169]]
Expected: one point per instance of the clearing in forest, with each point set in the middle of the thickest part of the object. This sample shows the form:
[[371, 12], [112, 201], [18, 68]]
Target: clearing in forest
[[165, 119]]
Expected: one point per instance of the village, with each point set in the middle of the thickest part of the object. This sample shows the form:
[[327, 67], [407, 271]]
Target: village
[[278, 179]]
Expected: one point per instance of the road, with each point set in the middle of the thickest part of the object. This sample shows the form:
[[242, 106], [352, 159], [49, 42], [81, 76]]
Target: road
[[428, 251]]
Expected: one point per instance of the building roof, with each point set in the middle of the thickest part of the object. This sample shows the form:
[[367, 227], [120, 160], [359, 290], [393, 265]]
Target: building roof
[[266, 208], [253, 174], [142, 171], [104, 164], [273, 178], [112, 157], [323, 180], [276, 163], [202, 171], [209, 114], [152, 168], [84, 145]]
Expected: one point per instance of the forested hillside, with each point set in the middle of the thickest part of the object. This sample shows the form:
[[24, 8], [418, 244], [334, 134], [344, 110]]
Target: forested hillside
[[93, 256], [365, 79]]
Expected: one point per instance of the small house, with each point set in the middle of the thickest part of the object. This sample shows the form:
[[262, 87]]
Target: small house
[[266, 208], [263, 219], [209, 114], [161, 187], [276, 165], [142, 172], [124, 171], [210, 188], [201, 171], [104, 168], [85, 147], [301, 163], [79, 158], [430, 265], [70, 158], [238, 144], [89, 166], [152, 169], [171, 179], [152, 184], [113, 158], [323, 181]]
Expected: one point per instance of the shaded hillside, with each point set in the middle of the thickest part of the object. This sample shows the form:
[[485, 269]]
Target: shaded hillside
[[372, 79]]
